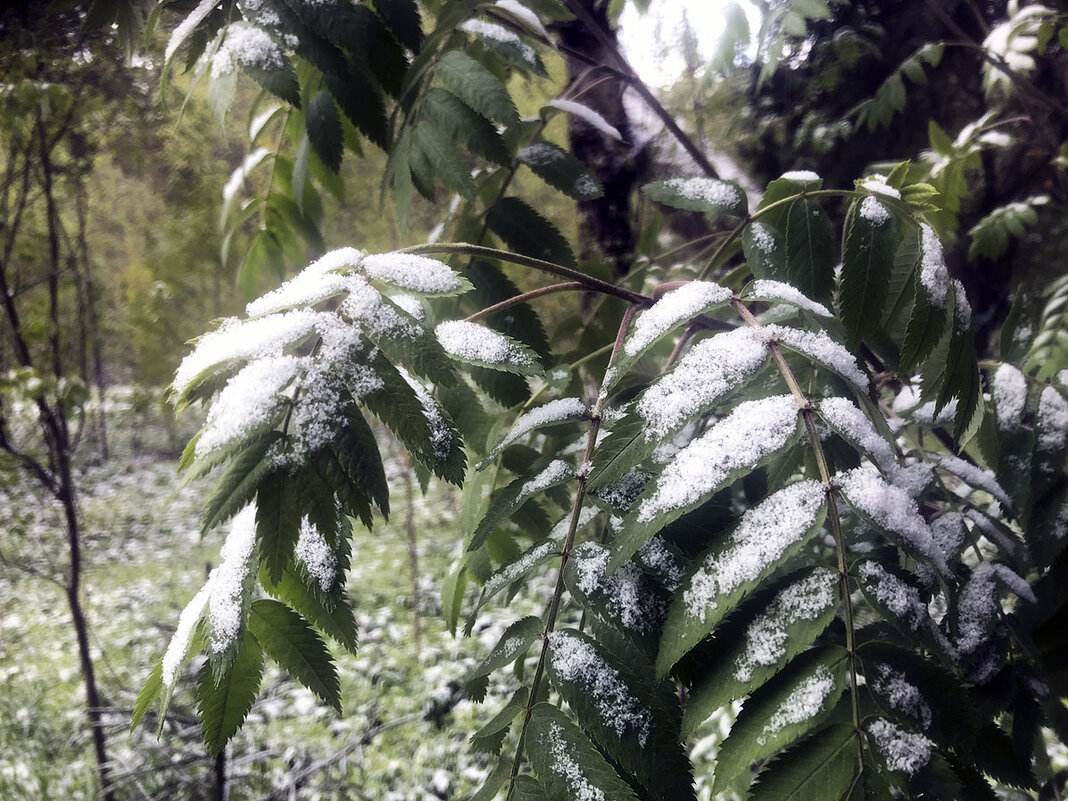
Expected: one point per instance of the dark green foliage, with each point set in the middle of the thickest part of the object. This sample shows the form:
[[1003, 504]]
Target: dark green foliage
[[809, 250], [526, 231], [224, 704]]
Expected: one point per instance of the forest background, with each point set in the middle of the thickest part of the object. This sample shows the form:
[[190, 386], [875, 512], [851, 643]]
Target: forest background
[[128, 225]]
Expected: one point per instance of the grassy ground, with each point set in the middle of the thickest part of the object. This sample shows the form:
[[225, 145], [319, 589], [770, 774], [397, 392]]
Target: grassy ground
[[145, 560]]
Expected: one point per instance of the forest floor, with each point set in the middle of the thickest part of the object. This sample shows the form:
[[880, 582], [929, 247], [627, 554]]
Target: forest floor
[[145, 559]]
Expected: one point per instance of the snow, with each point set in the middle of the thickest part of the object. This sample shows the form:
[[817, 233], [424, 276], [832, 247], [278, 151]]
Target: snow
[[315, 554], [763, 239], [963, 310], [624, 492], [476, 343], [555, 472], [891, 508], [575, 660], [227, 595], [625, 592], [817, 345], [248, 46], [658, 558], [514, 570], [588, 115], [804, 703], [777, 290], [242, 340], [247, 402], [706, 190], [675, 307], [1052, 421], [520, 11], [496, 33], [437, 429], [801, 176], [183, 636], [412, 273], [410, 304], [1010, 395], [710, 369], [934, 277], [903, 751], [848, 418], [949, 534], [878, 185], [901, 694], [977, 608], [565, 766], [977, 477], [873, 211], [366, 306], [553, 412], [766, 637], [752, 431], [186, 26], [908, 401], [318, 281], [538, 154], [764, 534]]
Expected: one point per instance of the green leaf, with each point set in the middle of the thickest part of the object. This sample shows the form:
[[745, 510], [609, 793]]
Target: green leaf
[[513, 643], [332, 615], [765, 251], [289, 640], [820, 768], [700, 194], [809, 250], [359, 100], [867, 260], [404, 21], [504, 503], [926, 325], [567, 765], [560, 169], [763, 636], [707, 465], [150, 691], [555, 413], [488, 739], [477, 87], [494, 781], [794, 703], [277, 522], [676, 308], [444, 160], [735, 565], [357, 452], [324, 130], [528, 789], [464, 126], [223, 706], [238, 485], [280, 81], [527, 232]]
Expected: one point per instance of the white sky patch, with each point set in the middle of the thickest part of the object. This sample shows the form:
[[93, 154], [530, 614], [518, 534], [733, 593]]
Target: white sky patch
[[710, 369], [817, 345], [903, 751], [247, 402], [754, 429], [766, 637], [763, 535], [183, 635], [675, 307], [934, 276], [314, 552], [576, 661], [891, 508], [1010, 395], [588, 115], [777, 290], [477, 343], [412, 273], [226, 598], [245, 339], [804, 703]]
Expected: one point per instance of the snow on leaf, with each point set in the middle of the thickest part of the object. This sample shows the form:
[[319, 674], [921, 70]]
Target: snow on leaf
[[890, 508], [438, 430], [976, 477], [847, 418], [658, 558], [564, 765], [414, 273], [520, 11], [477, 344], [624, 592], [903, 751], [902, 695], [962, 312], [315, 554], [804, 703], [575, 660], [589, 116], [706, 191], [766, 637], [902, 600], [710, 369], [873, 211], [1010, 395], [249, 400], [675, 307], [751, 432], [934, 277], [321, 279], [764, 534], [821, 348], [183, 635], [801, 176], [366, 306], [977, 608], [556, 411], [247, 46], [765, 289], [1052, 421], [226, 598]]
